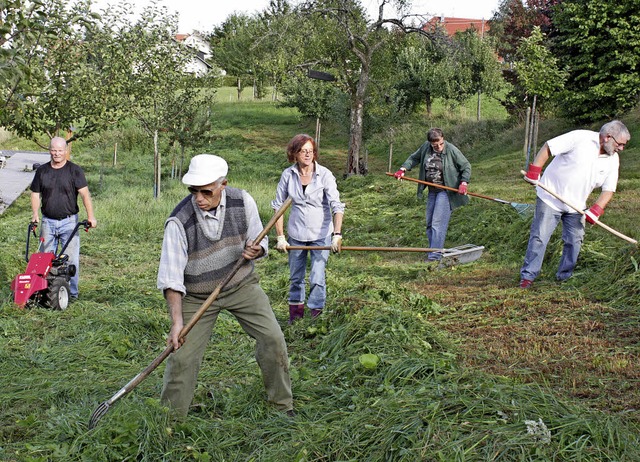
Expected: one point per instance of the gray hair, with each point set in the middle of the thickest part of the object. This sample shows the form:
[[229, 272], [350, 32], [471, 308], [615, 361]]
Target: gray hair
[[435, 134], [616, 129]]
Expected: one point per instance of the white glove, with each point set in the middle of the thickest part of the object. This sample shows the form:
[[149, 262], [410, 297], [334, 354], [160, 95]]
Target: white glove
[[281, 244], [336, 243]]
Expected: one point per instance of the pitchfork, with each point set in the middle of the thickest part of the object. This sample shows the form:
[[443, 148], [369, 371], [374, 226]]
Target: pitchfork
[[103, 408]]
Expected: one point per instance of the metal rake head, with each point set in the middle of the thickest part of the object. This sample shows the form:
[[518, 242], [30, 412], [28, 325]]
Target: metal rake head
[[524, 210], [98, 414]]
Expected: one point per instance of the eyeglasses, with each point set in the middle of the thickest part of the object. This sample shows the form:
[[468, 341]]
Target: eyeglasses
[[619, 144], [204, 192], [306, 151]]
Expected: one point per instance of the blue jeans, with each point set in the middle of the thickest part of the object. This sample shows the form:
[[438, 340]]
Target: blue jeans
[[438, 215], [55, 234], [297, 272], [545, 221]]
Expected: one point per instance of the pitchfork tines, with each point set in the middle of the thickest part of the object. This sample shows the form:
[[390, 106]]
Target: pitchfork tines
[[98, 414]]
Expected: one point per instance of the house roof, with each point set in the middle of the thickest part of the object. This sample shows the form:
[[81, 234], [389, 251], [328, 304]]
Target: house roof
[[452, 25]]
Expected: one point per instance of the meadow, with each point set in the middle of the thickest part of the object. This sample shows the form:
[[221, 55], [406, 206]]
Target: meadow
[[471, 368]]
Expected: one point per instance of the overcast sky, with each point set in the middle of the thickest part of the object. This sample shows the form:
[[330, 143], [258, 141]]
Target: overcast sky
[[205, 14]]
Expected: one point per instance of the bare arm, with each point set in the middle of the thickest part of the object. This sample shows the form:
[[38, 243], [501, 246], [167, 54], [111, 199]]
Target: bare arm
[[337, 222], [604, 198], [542, 157], [280, 226], [174, 302], [35, 207], [88, 205]]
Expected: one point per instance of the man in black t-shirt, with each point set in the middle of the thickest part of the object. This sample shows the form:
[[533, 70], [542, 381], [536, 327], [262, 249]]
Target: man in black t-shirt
[[56, 186]]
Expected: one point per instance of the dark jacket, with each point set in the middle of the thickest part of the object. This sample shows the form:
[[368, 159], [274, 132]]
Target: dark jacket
[[455, 169]]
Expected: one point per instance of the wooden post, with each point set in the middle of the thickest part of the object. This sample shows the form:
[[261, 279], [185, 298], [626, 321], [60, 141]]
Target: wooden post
[[535, 131], [390, 155], [68, 137], [525, 149], [318, 128], [115, 154]]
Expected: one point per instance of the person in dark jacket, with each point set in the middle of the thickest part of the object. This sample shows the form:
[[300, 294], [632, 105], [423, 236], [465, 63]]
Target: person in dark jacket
[[441, 163]]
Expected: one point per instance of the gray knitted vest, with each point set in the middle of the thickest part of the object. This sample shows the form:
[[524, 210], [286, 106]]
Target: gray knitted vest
[[210, 258]]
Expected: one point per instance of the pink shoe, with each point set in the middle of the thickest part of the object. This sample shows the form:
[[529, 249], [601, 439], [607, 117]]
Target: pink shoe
[[525, 284], [295, 312], [315, 312]]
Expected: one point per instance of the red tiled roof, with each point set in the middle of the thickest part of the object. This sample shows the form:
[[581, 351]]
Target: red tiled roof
[[453, 25]]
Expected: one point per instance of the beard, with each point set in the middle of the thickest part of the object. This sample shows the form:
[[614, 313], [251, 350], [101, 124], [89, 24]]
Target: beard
[[609, 147]]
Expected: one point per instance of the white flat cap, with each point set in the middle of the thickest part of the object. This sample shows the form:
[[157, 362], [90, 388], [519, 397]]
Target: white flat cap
[[205, 169]]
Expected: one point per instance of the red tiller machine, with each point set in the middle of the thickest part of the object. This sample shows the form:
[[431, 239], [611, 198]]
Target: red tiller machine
[[46, 279]]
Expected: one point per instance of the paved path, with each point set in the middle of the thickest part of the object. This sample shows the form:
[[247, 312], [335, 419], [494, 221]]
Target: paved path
[[17, 175]]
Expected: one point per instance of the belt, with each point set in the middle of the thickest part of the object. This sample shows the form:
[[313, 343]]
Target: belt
[[59, 219]]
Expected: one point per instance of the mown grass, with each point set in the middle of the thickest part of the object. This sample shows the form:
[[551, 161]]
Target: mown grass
[[467, 361]]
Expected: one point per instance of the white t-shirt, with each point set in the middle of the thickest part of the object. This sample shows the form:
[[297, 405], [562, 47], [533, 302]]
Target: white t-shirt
[[577, 169]]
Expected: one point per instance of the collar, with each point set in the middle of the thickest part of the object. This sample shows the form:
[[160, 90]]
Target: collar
[[215, 213]]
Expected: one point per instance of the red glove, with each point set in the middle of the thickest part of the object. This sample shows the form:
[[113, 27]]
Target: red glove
[[533, 174], [462, 189], [593, 213], [399, 174]]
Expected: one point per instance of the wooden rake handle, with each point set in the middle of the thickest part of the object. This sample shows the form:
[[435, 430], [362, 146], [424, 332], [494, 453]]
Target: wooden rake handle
[[580, 211], [365, 249], [441, 186], [203, 308]]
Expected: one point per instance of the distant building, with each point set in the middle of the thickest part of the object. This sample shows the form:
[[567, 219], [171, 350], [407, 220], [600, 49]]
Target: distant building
[[452, 25], [199, 65]]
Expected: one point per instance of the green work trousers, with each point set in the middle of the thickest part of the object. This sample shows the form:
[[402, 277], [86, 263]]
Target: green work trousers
[[251, 307]]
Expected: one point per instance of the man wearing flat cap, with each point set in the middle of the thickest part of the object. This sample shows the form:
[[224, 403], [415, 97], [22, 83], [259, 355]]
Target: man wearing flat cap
[[205, 235]]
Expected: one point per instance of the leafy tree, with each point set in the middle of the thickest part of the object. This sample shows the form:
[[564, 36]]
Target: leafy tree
[[281, 45], [514, 20], [160, 91], [476, 69], [599, 42], [537, 70], [50, 83], [358, 42], [422, 72], [22, 29], [233, 47]]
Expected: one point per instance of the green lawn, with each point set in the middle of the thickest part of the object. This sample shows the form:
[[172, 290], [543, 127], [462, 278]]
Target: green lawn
[[471, 368]]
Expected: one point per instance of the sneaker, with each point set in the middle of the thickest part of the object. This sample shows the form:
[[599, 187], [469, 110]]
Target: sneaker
[[291, 413], [525, 284]]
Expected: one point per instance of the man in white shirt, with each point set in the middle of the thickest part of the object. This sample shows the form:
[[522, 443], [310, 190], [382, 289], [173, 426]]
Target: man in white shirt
[[582, 161]]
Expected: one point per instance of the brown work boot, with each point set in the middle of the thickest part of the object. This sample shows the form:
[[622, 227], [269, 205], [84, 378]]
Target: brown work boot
[[295, 312]]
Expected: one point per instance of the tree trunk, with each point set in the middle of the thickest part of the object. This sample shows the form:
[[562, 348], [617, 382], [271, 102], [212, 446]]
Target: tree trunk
[[429, 103], [239, 88], [354, 166], [156, 166], [181, 160], [479, 106]]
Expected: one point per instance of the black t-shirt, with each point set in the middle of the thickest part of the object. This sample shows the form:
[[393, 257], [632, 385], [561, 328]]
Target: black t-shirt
[[58, 188], [433, 170]]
